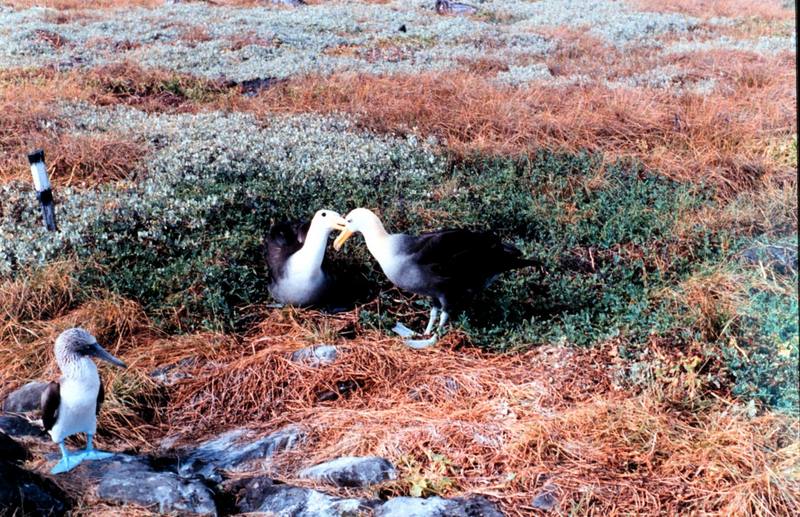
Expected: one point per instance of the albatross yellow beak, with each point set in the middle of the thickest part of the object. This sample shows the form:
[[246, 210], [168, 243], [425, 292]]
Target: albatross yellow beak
[[341, 239]]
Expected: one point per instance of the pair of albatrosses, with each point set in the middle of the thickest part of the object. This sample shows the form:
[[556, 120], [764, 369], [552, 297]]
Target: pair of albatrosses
[[448, 266]]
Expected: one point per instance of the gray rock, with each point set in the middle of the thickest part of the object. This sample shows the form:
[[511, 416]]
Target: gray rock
[[238, 450], [132, 479], [261, 494], [316, 355], [352, 471], [783, 259], [25, 493], [16, 425], [437, 507], [545, 500], [26, 398]]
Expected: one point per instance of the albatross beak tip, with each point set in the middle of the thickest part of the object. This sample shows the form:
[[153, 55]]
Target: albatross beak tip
[[341, 239]]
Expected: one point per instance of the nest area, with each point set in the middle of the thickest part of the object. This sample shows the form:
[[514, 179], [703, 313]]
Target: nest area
[[453, 419]]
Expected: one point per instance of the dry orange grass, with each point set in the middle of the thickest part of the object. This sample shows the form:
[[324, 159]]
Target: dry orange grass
[[767, 9], [720, 139], [503, 425], [29, 119], [506, 426]]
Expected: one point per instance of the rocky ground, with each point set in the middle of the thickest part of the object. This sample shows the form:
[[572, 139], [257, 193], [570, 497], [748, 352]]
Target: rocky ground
[[644, 152]]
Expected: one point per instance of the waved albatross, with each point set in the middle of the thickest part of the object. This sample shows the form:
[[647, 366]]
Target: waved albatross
[[71, 405], [448, 266], [300, 273]]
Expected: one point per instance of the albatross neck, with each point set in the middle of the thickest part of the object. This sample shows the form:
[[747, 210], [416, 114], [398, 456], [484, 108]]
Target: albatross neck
[[312, 253], [377, 240]]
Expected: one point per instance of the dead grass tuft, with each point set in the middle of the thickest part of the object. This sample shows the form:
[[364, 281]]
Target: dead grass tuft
[[30, 120], [454, 420], [713, 300]]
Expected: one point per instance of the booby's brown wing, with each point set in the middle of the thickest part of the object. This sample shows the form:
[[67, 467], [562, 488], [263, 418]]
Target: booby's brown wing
[[50, 401], [283, 241]]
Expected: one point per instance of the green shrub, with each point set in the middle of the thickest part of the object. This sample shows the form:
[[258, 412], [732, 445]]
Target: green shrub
[[761, 350]]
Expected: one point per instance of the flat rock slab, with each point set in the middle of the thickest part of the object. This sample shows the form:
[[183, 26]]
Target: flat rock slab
[[317, 355], [437, 507], [352, 471], [16, 425], [26, 493], [238, 451], [131, 479], [262, 495], [25, 399]]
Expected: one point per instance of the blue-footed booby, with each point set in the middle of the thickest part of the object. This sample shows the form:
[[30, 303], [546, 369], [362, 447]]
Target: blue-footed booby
[[448, 266], [71, 405]]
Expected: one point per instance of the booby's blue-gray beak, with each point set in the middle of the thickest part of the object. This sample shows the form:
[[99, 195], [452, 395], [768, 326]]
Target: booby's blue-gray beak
[[99, 352]]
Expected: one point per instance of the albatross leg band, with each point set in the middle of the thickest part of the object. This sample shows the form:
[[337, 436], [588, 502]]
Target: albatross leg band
[[68, 461]]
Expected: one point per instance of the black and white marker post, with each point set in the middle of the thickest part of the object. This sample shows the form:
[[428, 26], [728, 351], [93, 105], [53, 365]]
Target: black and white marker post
[[43, 190]]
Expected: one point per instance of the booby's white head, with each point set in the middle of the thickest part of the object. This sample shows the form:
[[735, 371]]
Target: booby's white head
[[360, 220], [75, 345]]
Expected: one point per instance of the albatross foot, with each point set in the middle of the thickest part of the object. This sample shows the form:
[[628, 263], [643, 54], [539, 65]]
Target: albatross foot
[[67, 463], [403, 331], [419, 344]]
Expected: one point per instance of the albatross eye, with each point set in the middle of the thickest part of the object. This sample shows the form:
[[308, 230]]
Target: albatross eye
[[324, 214], [349, 221]]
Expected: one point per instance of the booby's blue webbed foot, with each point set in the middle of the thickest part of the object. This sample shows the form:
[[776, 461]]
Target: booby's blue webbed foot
[[95, 454], [68, 461], [90, 453]]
